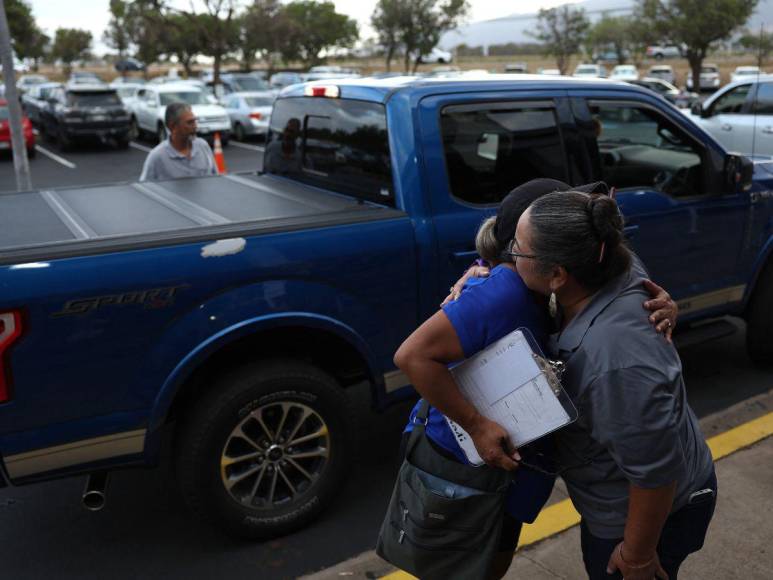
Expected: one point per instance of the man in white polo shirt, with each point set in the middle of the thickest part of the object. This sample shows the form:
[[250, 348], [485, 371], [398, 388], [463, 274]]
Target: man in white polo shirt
[[182, 154]]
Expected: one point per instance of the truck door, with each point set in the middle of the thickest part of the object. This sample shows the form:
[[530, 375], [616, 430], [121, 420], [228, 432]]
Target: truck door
[[682, 220], [475, 152]]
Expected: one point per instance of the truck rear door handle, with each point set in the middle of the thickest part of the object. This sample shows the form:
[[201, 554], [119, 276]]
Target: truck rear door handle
[[768, 130], [468, 255], [726, 127], [630, 231]]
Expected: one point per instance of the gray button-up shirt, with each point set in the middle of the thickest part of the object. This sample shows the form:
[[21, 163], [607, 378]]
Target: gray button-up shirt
[[166, 162], [635, 425]]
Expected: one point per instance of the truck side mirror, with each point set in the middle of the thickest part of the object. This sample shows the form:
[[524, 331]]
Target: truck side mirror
[[697, 110], [739, 172]]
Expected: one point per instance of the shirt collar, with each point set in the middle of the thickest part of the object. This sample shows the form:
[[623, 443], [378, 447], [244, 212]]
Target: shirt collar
[[570, 339], [174, 153]]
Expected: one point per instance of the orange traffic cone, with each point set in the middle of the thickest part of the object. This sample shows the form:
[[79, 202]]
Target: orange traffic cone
[[219, 159]]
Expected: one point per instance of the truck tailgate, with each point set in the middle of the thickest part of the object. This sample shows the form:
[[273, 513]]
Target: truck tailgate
[[80, 221]]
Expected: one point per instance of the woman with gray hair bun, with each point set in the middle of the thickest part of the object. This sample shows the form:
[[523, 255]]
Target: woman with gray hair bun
[[635, 462]]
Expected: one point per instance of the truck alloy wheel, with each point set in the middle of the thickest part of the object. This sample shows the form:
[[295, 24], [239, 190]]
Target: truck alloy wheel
[[275, 454], [266, 449]]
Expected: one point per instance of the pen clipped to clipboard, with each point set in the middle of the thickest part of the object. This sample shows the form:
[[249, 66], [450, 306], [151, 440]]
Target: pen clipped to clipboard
[[513, 383]]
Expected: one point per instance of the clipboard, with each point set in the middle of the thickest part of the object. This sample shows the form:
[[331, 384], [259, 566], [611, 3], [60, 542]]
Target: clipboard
[[513, 383]]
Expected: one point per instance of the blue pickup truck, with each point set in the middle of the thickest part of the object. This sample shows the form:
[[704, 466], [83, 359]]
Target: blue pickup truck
[[229, 315]]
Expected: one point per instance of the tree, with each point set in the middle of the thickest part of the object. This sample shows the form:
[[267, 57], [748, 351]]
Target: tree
[[218, 30], [313, 27], [695, 24], [27, 39], [71, 44], [145, 24], [117, 33], [611, 32], [761, 44], [428, 20], [386, 22], [263, 25], [562, 31], [182, 38]]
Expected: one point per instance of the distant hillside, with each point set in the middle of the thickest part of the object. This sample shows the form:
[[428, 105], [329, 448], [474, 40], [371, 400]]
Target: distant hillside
[[513, 28]]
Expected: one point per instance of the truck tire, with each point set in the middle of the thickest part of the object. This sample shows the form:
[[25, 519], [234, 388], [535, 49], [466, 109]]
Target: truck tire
[[266, 450], [759, 319], [65, 143], [161, 133]]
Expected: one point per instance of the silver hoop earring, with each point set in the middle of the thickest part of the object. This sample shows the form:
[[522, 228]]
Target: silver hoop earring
[[553, 305]]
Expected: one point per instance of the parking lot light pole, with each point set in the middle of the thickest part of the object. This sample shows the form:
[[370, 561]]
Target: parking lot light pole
[[20, 162]]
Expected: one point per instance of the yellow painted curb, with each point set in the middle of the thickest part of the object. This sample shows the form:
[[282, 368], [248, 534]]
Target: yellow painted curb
[[562, 515]]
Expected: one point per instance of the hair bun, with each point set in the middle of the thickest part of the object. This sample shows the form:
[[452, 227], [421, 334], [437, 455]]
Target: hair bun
[[606, 218]]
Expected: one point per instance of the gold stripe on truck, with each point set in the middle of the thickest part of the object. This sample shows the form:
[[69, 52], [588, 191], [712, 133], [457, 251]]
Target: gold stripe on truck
[[711, 299], [76, 453]]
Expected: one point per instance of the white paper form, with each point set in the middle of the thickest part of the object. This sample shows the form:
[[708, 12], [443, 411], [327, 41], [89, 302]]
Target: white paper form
[[505, 383]]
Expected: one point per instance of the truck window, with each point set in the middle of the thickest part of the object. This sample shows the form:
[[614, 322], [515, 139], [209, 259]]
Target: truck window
[[640, 148], [731, 102], [763, 104], [337, 144], [492, 148]]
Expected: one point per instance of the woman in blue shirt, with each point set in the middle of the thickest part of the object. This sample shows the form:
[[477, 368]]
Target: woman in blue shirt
[[485, 311]]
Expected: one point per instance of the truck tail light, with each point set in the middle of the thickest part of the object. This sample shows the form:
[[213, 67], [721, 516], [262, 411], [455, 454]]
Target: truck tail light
[[10, 331], [329, 91], [257, 116]]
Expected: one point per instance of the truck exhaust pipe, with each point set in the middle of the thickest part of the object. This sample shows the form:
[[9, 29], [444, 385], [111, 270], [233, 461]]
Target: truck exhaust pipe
[[94, 493]]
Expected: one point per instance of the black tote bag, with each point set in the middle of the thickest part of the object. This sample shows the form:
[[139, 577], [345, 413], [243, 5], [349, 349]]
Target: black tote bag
[[444, 518]]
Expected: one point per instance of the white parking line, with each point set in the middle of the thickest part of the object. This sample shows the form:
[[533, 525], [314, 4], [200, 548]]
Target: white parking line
[[246, 146], [140, 147], [56, 157]]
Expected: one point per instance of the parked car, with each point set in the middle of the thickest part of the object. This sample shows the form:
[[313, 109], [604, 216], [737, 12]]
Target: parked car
[[250, 113], [661, 52], [709, 79], [590, 71], [662, 71], [127, 92], [85, 78], [281, 80], [743, 73], [551, 72], [25, 82], [437, 56], [129, 64], [78, 112], [149, 106], [35, 100], [609, 56], [624, 72], [740, 116], [680, 98], [5, 131], [234, 316], [517, 68]]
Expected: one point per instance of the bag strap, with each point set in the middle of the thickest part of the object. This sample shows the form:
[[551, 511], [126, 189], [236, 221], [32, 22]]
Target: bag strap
[[419, 426]]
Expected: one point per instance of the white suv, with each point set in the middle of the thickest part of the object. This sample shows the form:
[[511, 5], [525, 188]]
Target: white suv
[[149, 107]]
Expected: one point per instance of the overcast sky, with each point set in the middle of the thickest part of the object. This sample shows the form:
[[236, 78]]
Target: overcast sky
[[94, 14]]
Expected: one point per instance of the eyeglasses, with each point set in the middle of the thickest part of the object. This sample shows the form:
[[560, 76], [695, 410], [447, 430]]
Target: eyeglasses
[[514, 253]]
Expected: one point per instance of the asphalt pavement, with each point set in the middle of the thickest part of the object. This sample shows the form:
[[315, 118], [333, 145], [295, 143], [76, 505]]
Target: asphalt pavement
[[146, 532], [95, 163]]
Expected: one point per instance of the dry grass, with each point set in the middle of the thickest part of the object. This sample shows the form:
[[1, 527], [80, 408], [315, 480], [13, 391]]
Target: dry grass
[[727, 64]]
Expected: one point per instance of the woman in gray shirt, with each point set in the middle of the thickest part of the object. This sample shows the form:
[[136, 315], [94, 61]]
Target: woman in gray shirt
[[635, 462]]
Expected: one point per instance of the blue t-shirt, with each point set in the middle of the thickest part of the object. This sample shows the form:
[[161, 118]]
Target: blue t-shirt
[[487, 309]]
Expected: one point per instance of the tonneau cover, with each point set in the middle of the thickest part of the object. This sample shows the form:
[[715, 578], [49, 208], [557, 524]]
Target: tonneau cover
[[47, 224]]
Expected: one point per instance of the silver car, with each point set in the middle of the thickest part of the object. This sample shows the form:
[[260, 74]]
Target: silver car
[[250, 112]]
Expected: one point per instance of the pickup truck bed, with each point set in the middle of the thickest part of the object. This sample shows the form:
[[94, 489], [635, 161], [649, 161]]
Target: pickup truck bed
[[84, 221]]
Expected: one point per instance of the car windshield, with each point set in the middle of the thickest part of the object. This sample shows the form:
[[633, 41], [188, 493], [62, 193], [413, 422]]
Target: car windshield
[[249, 84], [708, 69], [258, 101], [746, 72], [104, 99], [125, 92], [586, 70], [189, 97]]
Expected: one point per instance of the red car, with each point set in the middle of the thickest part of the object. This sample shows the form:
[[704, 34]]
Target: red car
[[5, 131]]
